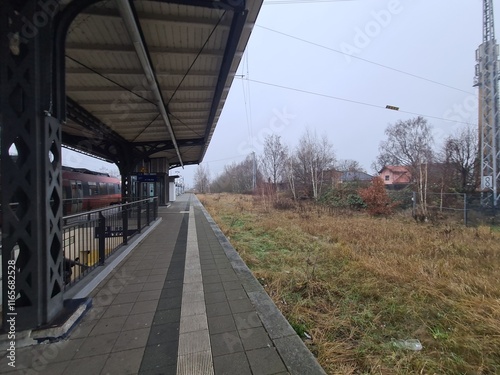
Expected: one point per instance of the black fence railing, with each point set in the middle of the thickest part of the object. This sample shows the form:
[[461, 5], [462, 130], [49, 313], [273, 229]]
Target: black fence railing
[[89, 238]]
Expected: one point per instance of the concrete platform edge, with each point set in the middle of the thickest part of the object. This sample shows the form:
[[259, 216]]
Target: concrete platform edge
[[297, 357], [61, 331], [54, 333]]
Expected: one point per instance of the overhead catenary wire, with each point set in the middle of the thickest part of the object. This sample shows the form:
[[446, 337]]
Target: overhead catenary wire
[[354, 101], [365, 60], [246, 99]]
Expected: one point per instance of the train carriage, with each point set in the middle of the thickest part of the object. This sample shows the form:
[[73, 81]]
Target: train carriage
[[85, 190]]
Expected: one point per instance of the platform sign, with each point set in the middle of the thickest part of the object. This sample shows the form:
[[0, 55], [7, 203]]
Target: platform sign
[[487, 183], [147, 178]]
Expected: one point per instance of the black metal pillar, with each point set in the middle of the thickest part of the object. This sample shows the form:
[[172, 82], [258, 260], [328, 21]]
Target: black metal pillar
[[126, 166], [126, 163], [30, 165]]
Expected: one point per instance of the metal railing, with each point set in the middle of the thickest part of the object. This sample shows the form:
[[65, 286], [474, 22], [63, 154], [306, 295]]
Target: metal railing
[[89, 238]]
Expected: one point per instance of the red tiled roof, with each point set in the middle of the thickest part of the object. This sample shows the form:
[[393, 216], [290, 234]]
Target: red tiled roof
[[396, 168]]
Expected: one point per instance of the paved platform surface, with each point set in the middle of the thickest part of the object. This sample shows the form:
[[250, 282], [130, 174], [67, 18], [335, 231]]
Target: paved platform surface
[[182, 302]]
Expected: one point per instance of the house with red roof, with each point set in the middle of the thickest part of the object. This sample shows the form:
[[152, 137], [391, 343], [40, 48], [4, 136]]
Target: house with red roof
[[396, 176]]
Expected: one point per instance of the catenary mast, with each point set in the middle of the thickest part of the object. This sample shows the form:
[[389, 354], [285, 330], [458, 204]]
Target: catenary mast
[[486, 79]]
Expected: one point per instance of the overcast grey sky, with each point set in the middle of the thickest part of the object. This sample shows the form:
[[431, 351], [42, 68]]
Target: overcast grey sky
[[418, 55]]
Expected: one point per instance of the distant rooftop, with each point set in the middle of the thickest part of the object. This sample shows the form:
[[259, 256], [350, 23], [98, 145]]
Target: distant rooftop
[[356, 176]]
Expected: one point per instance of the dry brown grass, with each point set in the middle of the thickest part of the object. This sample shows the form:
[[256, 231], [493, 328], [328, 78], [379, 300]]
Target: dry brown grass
[[356, 283]]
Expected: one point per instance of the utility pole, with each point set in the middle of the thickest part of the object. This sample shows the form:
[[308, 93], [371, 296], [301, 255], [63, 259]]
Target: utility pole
[[486, 79]]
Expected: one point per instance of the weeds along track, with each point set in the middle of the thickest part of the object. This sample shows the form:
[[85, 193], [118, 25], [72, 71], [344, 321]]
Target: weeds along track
[[351, 285]]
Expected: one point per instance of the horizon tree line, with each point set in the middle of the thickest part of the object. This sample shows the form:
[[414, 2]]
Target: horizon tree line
[[308, 169]]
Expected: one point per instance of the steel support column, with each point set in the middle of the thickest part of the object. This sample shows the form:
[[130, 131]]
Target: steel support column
[[30, 165], [487, 77]]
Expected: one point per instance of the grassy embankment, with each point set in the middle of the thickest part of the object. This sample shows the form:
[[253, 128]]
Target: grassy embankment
[[356, 284]]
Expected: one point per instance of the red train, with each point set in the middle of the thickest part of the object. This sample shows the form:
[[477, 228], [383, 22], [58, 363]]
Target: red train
[[85, 190]]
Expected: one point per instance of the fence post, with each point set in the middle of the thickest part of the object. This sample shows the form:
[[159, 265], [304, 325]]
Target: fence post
[[147, 212], [414, 201], [125, 224], [102, 238], [493, 205], [465, 209]]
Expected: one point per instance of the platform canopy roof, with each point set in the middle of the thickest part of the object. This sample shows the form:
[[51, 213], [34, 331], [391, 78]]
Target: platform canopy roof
[[148, 79]]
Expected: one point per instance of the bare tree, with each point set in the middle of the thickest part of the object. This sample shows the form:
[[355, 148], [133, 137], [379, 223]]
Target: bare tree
[[237, 177], [202, 179], [290, 175], [460, 155], [314, 156], [110, 171], [349, 165], [242, 175], [381, 161], [409, 143], [274, 158]]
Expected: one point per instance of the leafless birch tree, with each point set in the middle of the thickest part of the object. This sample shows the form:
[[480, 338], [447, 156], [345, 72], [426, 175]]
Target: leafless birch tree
[[273, 159], [409, 143], [314, 156], [202, 179]]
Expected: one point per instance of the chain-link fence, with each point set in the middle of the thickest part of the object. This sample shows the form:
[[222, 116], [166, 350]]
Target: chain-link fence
[[471, 209], [404, 198]]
